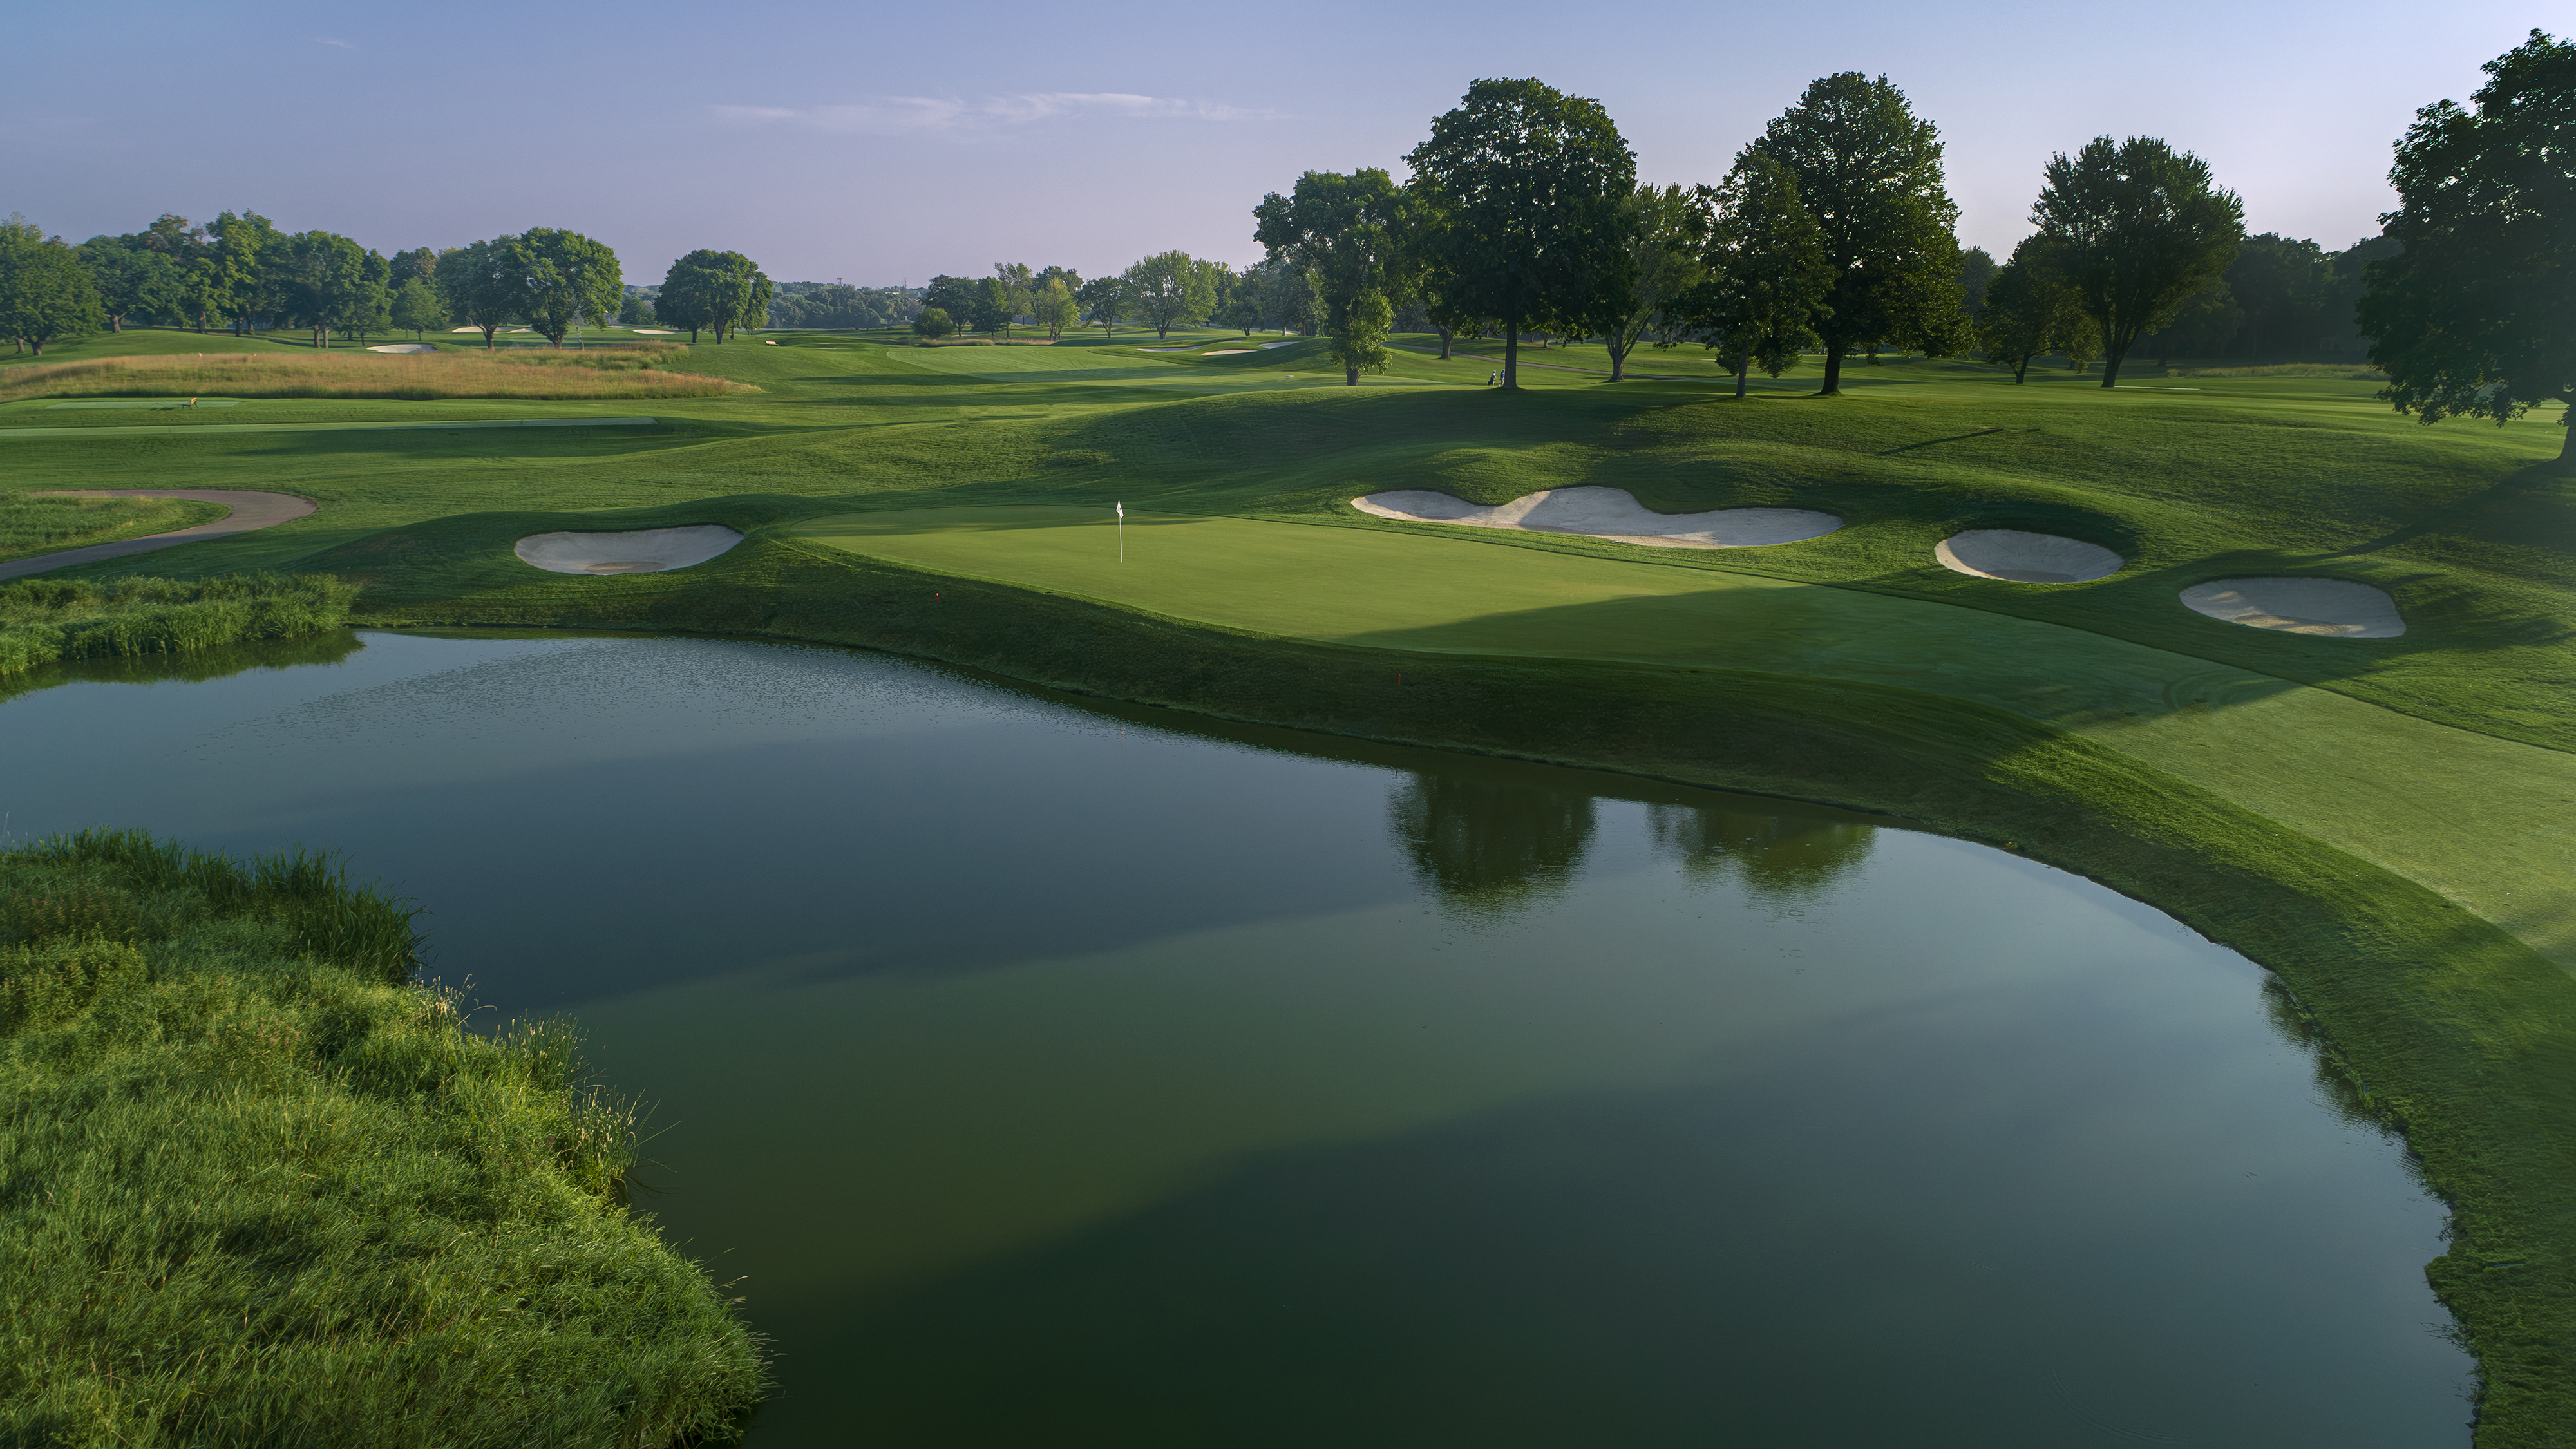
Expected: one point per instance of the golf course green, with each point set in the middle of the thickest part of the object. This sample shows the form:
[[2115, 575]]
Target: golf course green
[[2383, 822]]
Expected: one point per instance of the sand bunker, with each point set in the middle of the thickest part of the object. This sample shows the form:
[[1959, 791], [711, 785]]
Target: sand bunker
[[2025, 558], [644, 551], [1611, 513], [405, 347], [1266, 346], [654, 332], [1227, 352], [464, 329], [2336, 607]]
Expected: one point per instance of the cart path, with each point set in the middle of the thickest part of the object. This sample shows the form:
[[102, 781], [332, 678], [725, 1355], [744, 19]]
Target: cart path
[[249, 511]]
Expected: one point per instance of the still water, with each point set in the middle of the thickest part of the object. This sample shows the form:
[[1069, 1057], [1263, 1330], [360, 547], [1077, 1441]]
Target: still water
[[1044, 1073]]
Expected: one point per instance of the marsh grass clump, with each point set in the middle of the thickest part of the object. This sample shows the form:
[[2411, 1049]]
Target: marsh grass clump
[[38, 523], [266, 1189], [44, 621], [619, 372]]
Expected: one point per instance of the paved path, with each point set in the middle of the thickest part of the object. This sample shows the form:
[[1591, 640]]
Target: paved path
[[249, 511]]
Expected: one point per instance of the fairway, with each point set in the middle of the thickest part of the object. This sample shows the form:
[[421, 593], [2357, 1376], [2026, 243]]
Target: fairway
[[2467, 814]]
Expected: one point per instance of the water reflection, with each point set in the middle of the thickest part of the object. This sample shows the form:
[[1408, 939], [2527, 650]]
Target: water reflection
[[1486, 845], [194, 667], [1779, 858]]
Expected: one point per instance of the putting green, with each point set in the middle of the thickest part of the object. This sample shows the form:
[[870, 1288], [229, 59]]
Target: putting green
[[2476, 818]]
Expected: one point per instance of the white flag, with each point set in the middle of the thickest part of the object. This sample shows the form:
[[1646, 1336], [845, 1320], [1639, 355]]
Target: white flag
[[1121, 506]]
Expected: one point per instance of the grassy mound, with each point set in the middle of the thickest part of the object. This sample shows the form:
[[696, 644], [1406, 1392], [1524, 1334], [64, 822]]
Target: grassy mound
[[43, 621], [260, 1189], [613, 373], [33, 524]]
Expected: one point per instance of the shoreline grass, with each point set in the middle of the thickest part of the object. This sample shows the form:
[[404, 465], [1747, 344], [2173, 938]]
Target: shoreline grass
[[48, 621], [31, 524], [272, 1191], [594, 373]]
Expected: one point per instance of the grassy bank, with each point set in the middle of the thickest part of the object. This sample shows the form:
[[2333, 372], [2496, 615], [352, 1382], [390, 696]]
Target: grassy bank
[[266, 1190], [47, 621], [33, 523], [617, 373]]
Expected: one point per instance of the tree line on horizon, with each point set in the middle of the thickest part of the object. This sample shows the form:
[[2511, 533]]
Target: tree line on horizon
[[239, 272]]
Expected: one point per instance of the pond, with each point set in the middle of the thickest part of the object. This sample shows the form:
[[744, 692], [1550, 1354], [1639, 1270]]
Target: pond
[[1047, 1072]]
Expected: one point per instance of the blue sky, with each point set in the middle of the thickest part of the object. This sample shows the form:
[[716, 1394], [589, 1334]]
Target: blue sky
[[883, 143]]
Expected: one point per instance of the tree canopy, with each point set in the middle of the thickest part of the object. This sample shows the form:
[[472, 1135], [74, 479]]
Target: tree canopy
[[2476, 317], [2030, 309], [45, 292], [713, 290], [1359, 343], [480, 283], [571, 277], [1169, 288], [1667, 231], [1869, 172], [1767, 272], [2133, 229], [134, 279], [1524, 193], [1344, 232]]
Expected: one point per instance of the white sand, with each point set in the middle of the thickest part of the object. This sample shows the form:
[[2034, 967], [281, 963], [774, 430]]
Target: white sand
[[2336, 607], [1227, 352], [405, 347], [464, 329], [1611, 513], [644, 551], [655, 332], [1266, 346], [2025, 558]]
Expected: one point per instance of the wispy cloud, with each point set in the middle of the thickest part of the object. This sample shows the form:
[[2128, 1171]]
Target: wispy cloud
[[929, 115], [344, 45]]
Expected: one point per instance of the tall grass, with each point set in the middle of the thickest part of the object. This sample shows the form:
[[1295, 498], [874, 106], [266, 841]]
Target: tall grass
[[36, 523], [591, 373], [43, 621], [269, 1191]]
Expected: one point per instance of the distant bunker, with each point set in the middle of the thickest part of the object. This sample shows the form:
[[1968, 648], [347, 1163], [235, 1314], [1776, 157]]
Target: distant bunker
[[644, 551], [1611, 513], [2025, 558], [404, 347], [2338, 608]]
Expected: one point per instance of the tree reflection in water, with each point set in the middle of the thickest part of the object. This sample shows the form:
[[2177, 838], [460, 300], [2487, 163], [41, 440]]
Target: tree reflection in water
[[1489, 846], [1780, 859]]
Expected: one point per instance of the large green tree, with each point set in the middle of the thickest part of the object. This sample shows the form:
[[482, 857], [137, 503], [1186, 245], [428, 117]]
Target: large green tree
[[1869, 171], [1359, 343], [2476, 317], [1346, 233], [1667, 234], [2030, 309], [1169, 288], [417, 307], [327, 283], [570, 278], [1524, 191], [45, 293], [1103, 300], [232, 277], [2134, 228], [134, 279], [1768, 273], [718, 291], [485, 284]]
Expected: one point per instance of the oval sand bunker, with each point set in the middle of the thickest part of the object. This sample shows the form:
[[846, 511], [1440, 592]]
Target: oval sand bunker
[[2025, 558], [644, 551], [2338, 608], [1611, 513]]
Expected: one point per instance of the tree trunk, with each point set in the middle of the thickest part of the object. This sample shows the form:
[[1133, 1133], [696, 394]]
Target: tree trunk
[[2567, 446], [1618, 362], [2021, 370], [1351, 376], [115, 324], [1743, 370], [2111, 368], [1833, 371], [1511, 352], [1445, 334]]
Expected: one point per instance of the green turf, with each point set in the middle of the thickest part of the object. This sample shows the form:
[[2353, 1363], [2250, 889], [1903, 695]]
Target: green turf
[[2329, 805], [34, 525]]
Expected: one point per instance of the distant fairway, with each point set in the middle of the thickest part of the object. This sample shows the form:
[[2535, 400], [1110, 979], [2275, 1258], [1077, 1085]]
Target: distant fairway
[[2463, 812]]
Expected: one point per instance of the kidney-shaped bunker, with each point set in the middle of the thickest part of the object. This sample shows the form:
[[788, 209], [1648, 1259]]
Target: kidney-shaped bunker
[[2025, 558], [643, 551], [2335, 607], [1611, 513]]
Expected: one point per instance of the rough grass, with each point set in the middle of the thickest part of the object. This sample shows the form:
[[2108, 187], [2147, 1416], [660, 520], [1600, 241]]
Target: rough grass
[[2356, 372], [257, 1188], [47, 621], [591, 373], [33, 524]]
